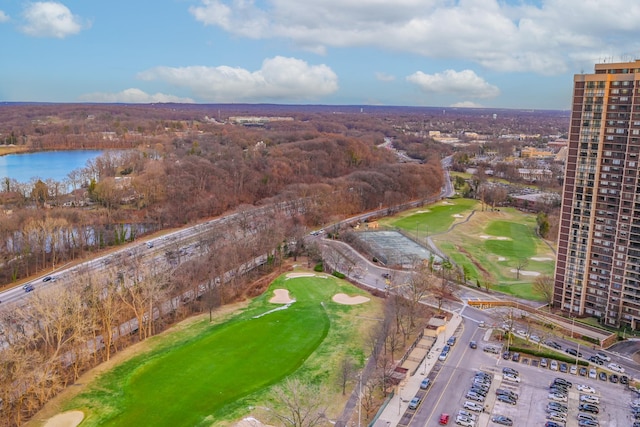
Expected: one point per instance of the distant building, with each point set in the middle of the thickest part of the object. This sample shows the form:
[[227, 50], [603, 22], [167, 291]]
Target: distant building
[[534, 153], [598, 263]]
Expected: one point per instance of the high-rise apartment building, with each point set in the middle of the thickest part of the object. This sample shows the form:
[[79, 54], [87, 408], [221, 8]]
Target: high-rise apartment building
[[598, 266]]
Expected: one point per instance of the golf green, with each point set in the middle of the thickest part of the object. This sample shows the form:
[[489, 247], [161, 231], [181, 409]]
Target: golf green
[[189, 383]]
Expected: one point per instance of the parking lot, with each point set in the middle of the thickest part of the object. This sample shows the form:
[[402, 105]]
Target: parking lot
[[531, 407]]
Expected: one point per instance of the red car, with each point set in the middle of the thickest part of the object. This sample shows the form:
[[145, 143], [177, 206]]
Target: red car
[[444, 419]]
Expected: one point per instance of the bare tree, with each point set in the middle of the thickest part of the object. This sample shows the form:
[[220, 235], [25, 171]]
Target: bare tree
[[544, 286], [302, 404], [520, 264], [347, 369]]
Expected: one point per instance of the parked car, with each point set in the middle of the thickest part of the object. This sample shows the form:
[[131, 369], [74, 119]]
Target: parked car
[[510, 393], [587, 398], [573, 370], [506, 355], [624, 379], [510, 377], [515, 357], [467, 414], [582, 371], [451, 341], [473, 406], [415, 402], [564, 368], [474, 396], [543, 363], [553, 424], [511, 371], [563, 382], [616, 367], [554, 365], [465, 421], [491, 349], [443, 356], [558, 397], [593, 374], [506, 399], [557, 416], [425, 383], [585, 388], [588, 423], [501, 419], [586, 416], [473, 344], [602, 375], [614, 378], [588, 407], [557, 407]]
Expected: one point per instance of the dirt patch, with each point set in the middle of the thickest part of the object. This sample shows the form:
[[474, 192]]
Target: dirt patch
[[66, 419], [281, 296], [347, 300], [251, 422], [485, 272]]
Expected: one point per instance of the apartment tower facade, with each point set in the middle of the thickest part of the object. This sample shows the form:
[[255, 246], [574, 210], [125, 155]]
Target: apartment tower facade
[[598, 263]]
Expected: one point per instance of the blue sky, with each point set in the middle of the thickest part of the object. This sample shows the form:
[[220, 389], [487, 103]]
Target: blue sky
[[484, 53]]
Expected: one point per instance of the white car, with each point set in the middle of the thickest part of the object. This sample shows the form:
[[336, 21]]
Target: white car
[[473, 406], [467, 414], [602, 356], [573, 370], [616, 367], [554, 365], [558, 397], [587, 398], [510, 377], [464, 421], [585, 388], [593, 374]]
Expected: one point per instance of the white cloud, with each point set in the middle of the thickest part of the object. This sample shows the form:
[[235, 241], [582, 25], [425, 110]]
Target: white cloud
[[50, 19], [132, 96], [384, 77], [465, 83], [279, 78], [3, 17], [543, 36], [466, 104]]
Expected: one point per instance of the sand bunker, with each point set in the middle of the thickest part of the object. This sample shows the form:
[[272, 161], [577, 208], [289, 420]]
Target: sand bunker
[[501, 258], [484, 236], [347, 300], [281, 296], [294, 275], [424, 211], [66, 419], [503, 238], [526, 273], [458, 216], [541, 258]]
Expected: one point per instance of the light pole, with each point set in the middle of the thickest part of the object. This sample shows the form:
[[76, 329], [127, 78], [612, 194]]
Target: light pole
[[360, 399]]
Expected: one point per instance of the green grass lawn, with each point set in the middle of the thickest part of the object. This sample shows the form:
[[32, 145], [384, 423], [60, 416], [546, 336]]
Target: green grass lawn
[[489, 246], [433, 219], [199, 377]]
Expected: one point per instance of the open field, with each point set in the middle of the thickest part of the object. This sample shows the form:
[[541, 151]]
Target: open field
[[212, 373], [490, 246]]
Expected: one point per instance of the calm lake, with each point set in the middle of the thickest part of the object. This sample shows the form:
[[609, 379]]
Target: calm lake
[[50, 164]]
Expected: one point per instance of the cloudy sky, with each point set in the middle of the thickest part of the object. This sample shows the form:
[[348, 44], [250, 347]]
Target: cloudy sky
[[484, 53]]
